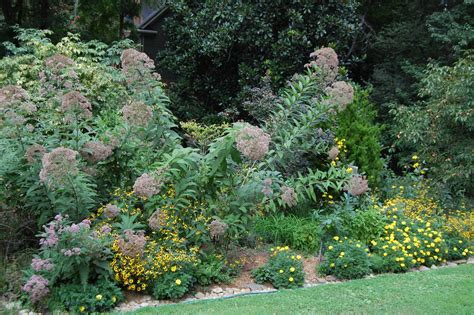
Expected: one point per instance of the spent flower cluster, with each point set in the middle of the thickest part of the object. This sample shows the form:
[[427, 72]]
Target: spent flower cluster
[[217, 229], [325, 59], [288, 196], [147, 186], [58, 164], [357, 185], [132, 244], [75, 105], [341, 94], [137, 114], [96, 151], [253, 142]]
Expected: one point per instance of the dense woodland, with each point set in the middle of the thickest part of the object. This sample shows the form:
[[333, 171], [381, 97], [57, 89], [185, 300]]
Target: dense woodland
[[332, 128]]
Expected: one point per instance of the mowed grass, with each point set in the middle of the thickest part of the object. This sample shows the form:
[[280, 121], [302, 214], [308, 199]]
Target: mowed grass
[[441, 291]]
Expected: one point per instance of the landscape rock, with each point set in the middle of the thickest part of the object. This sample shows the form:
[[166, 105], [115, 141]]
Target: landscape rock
[[199, 295], [217, 290], [451, 264], [470, 261], [423, 268], [321, 280], [460, 261], [434, 267], [254, 287], [331, 278]]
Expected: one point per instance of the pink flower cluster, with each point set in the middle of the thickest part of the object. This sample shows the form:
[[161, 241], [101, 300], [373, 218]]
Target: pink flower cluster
[[50, 238], [326, 60], [253, 142], [137, 114], [34, 153], [37, 288], [111, 211], [341, 94], [76, 251], [288, 196], [132, 244], [39, 264], [267, 187], [147, 186], [95, 151], [357, 185], [76, 105], [157, 220], [58, 164]]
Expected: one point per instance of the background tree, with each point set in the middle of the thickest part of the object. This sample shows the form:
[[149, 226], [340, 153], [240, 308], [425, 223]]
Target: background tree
[[216, 48]]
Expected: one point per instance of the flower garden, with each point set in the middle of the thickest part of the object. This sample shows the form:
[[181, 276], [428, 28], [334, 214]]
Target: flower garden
[[112, 194]]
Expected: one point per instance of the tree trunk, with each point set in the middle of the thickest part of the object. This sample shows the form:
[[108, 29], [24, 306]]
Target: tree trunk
[[121, 30], [44, 14]]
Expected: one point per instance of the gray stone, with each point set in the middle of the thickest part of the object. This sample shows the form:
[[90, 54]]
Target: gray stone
[[321, 280], [254, 287], [460, 261], [423, 268], [331, 278], [434, 267], [217, 290], [245, 290], [470, 260], [199, 295], [451, 264]]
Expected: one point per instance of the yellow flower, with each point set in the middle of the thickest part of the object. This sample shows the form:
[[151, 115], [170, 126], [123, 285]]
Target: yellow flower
[[336, 238], [178, 282], [98, 297], [292, 269], [281, 271], [298, 257], [114, 299], [341, 254], [173, 269], [291, 279], [332, 265], [330, 247], [402, 265], [82, 308], [415, 157], [349, 170]]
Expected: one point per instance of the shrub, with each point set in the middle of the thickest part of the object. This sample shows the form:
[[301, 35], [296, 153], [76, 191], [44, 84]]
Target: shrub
[[284, 269], [346, 259], [366, 225], [215, 59], [299, 233], [212, 269], [172, 285], [99, 297], [357, 125]]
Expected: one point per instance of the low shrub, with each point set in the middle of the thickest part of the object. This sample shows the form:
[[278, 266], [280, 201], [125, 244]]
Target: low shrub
[[298, 233], [366, 225], [172, 285], [99, 297], [346, 259], [212, 269], [284, 269]]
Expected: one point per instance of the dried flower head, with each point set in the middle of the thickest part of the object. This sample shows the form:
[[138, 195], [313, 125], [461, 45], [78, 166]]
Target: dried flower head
[[137, 114], [217, 229], [111, 211], [333, 153], [252, 142], [132, 244], [288, 196], [77, 104], [37, 288], [146, 186], [341, 94], [58, 164], [326, 59], [357, 185], [34, 153], [95, 151], [157, 220]]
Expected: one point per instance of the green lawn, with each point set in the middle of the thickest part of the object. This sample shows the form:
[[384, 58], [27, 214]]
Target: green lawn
[[442, 291]]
